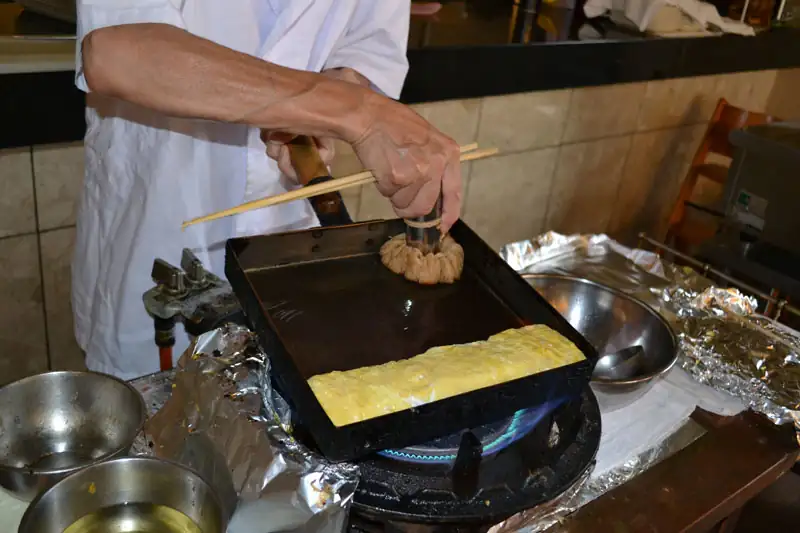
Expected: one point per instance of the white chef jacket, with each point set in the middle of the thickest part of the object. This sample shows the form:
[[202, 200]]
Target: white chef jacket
[[146, 173]]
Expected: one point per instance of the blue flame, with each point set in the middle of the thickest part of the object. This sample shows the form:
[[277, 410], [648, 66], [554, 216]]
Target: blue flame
[[519, 425]]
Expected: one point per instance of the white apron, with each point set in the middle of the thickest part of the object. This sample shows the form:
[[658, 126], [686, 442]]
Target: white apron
[[146, 173]]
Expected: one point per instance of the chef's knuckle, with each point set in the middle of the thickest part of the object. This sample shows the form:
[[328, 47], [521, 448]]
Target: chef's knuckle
[[401, 181], [451, 148]]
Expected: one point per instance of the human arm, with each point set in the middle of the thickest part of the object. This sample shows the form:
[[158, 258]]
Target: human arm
[[375, 46], [169, 70], [174, 72], [277, 142]]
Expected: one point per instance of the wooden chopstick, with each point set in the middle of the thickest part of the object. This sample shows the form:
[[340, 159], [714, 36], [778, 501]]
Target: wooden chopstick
[[471, 147], [469, 152]]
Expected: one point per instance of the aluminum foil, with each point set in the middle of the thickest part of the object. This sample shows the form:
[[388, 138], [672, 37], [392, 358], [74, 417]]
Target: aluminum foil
[[723, 343], [589, 487], [744, 354], [223, 419]]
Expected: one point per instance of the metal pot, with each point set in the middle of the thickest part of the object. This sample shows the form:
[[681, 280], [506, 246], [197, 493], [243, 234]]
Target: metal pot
[[55, 423], [128, 494], [612, 321]]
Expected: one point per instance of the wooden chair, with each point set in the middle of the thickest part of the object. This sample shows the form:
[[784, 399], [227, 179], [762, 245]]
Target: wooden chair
[[685, 234]]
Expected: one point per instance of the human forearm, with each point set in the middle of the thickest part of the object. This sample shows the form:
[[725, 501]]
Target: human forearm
[[349, 75], [277, 142], [166, 69], [176, 73]]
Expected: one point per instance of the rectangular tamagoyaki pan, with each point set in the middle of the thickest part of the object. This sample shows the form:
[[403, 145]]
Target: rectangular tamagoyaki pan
[[320, 300]]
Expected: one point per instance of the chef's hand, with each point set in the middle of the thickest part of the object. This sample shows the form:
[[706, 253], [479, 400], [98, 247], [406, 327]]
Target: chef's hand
[[412, 161], [278, 149]]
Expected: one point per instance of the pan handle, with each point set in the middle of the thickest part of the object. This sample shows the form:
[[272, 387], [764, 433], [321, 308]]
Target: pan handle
[[307, 161], [310, 169]]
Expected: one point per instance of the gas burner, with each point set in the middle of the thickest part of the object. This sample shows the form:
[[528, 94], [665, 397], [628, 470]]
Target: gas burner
[[476, 478], [492, 438]]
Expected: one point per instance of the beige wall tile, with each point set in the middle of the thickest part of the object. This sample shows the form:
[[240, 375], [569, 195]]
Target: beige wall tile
[[373, 205], [22, 332], [456, 118], [656, 166], [17, 209], [678, 102], [58, 171], [598, 112], [345, 161], [748, 90], [783, 101], [520, 122], [506, 196], [56, 250], [585, 185]]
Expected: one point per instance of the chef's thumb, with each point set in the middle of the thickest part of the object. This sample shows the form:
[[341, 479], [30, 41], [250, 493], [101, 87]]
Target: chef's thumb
[[276, 137], [280, 153], [327, 149]]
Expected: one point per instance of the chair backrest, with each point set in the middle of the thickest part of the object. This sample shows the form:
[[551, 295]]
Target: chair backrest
[[727, 118]]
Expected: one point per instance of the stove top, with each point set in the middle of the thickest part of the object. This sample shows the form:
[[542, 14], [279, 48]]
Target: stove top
[[476, 478]]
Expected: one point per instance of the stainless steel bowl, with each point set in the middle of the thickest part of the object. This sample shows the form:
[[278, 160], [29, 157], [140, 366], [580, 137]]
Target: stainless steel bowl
[[56, 423], [127, 494], [612, 321]]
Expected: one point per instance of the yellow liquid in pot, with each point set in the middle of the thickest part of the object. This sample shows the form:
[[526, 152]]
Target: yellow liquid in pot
[[135, 518]]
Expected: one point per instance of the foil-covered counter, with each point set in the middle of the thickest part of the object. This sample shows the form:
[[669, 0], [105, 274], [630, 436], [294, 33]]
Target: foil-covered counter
[[724, 343], [219, 414]]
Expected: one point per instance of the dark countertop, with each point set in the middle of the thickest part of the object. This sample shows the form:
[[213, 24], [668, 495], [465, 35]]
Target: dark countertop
[[469, 49]]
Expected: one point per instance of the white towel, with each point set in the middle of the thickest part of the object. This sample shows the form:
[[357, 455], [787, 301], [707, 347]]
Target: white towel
[[647, 13], [648, 421]]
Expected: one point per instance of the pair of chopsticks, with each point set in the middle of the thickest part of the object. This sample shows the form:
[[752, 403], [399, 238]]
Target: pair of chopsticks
[[469, 152]]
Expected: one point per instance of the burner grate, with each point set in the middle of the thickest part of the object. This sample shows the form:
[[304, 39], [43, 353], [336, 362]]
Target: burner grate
[[498, 470]]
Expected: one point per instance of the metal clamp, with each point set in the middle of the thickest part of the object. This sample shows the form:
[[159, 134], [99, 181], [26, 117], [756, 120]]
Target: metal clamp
[[191, 295]]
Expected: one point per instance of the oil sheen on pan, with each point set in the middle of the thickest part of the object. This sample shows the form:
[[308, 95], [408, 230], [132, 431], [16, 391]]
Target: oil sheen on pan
[[354, 312]]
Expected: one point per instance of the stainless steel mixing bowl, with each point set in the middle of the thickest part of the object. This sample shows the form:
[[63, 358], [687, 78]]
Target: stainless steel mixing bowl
[[127, 494], [55, 423], [613, 321]]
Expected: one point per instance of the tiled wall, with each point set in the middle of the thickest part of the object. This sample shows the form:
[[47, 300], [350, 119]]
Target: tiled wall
[[784, 101], [38, 191], [607, 159]]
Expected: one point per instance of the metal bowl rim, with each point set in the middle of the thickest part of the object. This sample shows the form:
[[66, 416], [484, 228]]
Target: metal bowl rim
[[133, 459], [616, 292], [103, 458]]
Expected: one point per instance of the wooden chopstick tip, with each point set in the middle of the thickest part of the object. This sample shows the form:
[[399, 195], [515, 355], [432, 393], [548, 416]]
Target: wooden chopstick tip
[[468, 148]]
